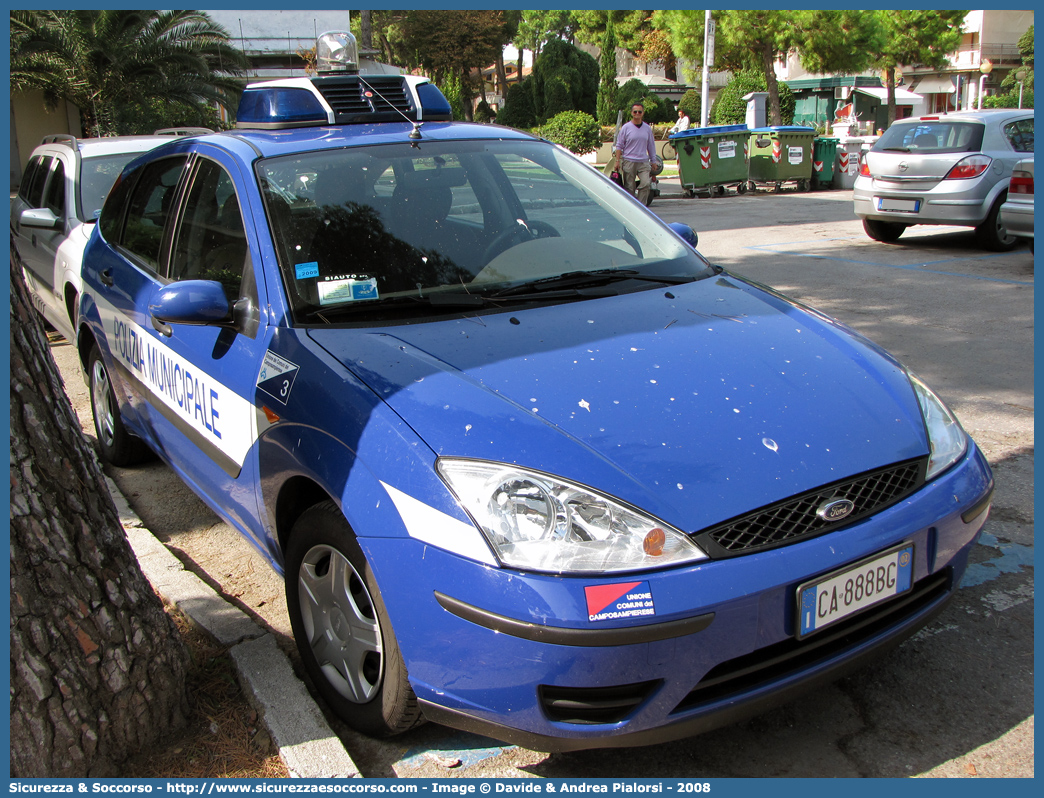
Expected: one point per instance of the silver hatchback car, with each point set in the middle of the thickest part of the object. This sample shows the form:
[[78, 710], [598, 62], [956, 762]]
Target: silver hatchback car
[[949, 169]]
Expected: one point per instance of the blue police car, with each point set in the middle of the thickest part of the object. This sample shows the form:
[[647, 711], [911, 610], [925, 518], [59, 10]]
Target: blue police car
[[531, 466]]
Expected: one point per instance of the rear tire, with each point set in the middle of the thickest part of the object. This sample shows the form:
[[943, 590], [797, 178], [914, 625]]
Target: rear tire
[[117, 446], [888, 232], [342, 628], [992, 234]]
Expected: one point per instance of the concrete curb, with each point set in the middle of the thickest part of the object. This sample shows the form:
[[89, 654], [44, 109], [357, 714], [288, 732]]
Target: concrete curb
[[306, 744]]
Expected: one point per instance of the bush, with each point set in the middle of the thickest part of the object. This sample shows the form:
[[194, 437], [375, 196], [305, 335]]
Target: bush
[[564, 78], [657, 108], [731, 109], [518, 108], [578, 132], [692, 104], [483, 113]]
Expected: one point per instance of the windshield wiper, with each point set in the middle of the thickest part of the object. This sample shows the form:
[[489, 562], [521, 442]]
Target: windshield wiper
[[595, 277]]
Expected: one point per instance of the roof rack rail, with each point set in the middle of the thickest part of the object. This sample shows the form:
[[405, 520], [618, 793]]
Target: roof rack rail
[[183, 131], [54, 138]]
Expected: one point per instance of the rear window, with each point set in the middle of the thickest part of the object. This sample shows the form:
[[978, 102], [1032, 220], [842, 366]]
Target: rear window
[[931, 137]]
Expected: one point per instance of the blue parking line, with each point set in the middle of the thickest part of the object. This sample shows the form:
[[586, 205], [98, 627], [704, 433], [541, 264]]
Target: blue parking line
[[461, 748], [1014, 558], [907, 267]]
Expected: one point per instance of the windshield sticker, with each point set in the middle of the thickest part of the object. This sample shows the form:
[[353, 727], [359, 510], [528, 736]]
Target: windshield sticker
[[306, 270], [277, 377], [353, 288], [619, 600]]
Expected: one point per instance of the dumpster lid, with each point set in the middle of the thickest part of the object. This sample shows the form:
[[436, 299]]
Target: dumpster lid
[[709, 131], [784, 129]]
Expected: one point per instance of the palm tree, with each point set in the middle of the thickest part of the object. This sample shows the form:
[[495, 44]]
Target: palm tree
[[105, 62]]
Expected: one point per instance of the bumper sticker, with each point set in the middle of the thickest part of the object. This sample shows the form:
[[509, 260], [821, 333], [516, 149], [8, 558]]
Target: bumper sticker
[[619, 600]]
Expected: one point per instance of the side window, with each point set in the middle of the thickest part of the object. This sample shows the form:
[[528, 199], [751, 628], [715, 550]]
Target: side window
[[110, 222], [27, 177], [34, 193], [210, 243], [148, 208], [54, 201], [1020, 134]]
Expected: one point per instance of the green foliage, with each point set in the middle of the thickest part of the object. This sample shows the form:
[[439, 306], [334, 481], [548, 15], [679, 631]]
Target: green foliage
[[692, 104], [1009, 100], [657, 108], [578, 132], [117, 63], [518, 110], [564, 78], [607, 86], [730, 108], [154, 114], [1010, 84], [450, 86], [483, 113]]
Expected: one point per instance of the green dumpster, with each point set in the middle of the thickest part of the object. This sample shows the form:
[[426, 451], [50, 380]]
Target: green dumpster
[[711, 158], [781, 154], [824, 156]]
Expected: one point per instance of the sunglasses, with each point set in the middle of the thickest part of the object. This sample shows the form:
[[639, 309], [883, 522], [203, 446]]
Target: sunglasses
[[637, 113]]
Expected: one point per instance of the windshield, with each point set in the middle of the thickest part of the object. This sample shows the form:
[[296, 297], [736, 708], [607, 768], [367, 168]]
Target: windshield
[[361, 231], [97, 175]]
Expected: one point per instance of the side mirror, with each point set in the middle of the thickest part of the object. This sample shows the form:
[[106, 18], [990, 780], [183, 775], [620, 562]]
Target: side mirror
[[686, 233], [198, 302], [38, 217]]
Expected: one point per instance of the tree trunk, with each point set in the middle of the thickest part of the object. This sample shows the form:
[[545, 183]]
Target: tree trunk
[[768, 57], [97, 666], [366, 30], [501, 75]]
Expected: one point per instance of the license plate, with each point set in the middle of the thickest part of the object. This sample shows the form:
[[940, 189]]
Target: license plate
[[836, 596], [898, 205]]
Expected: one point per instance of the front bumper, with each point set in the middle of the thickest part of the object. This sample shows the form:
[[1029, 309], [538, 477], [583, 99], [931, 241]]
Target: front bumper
[[518, 656]]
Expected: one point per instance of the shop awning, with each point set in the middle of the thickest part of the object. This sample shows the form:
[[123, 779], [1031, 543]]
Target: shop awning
[[935, 85], [902, 96]]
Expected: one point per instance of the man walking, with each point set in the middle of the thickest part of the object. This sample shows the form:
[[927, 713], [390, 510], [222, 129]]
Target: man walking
[[636, 148]]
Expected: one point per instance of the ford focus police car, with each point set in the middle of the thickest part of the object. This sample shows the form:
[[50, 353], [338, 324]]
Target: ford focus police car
[[530, 465]]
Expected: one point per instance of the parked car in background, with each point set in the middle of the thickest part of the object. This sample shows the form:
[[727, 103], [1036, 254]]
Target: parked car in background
[[61, 193], [529, 464], [948, 169], [1017, 211]]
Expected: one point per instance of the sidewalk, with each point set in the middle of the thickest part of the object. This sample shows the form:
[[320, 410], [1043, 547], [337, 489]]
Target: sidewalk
[[305, 742]]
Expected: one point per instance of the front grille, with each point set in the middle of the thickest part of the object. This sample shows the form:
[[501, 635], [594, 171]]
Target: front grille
[[353, 100], [795, 518], [587, 705], [769, 664]]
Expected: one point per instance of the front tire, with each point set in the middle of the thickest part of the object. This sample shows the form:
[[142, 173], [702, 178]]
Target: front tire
[[992, 234], [888, 232], [342, 628], [117, 446]]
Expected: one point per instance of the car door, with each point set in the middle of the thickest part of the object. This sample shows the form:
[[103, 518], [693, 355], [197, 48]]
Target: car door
[[40, 223], [191, 386]]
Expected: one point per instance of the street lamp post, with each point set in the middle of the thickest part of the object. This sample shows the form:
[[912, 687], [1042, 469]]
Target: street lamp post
[[1020, 76], [985, 68]]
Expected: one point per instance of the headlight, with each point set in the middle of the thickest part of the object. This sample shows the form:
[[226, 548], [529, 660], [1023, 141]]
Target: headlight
[[947, 439], [538, 522]]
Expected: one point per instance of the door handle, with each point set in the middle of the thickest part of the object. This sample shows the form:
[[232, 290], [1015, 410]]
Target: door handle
[[106, 277]]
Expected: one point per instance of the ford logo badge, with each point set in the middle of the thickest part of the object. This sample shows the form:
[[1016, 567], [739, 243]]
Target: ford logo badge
[[835, 509]]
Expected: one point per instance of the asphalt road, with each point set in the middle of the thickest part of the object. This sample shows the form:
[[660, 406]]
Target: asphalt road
[[956, 700]]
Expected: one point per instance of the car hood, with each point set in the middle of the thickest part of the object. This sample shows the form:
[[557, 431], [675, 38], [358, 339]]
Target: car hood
[[696, 403]]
